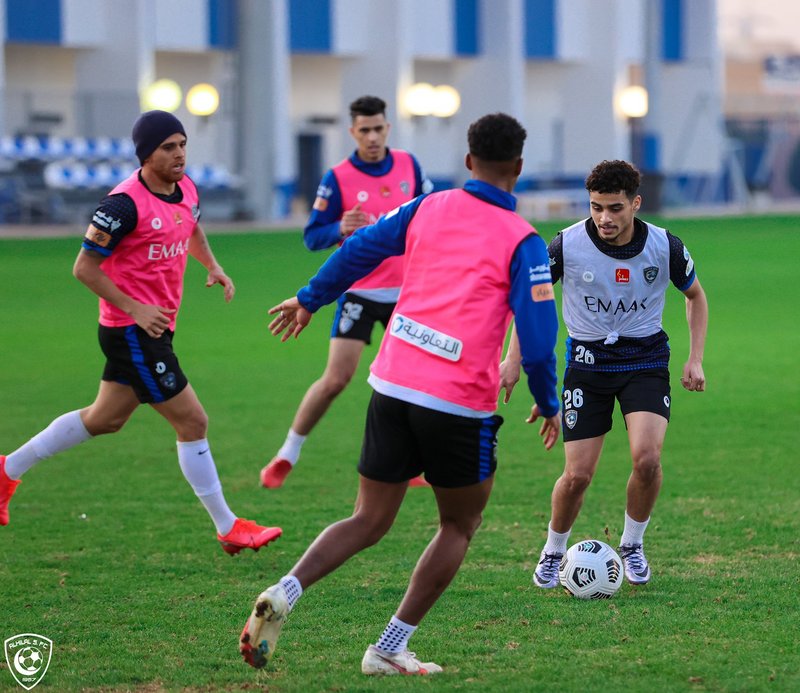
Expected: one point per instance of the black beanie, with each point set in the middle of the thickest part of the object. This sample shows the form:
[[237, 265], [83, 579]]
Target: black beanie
[[151, 129]]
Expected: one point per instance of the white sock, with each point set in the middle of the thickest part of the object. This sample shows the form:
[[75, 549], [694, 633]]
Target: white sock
[[290, 450], [556, 542], [396, 636], [634, 531], [64, 433], [294, 590], [200, 471]]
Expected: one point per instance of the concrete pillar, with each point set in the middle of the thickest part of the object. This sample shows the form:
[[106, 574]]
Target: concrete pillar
[[266, 144]]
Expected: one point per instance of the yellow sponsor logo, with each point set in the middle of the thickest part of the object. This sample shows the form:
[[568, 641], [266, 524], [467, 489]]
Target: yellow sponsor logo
[[98, 237], [320, 204], [542, 292]]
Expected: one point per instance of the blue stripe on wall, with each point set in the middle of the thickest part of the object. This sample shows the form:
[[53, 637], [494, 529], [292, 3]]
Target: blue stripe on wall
[[672, 12], [222, 18], [540, 28], [466, 27], [33, 22], [310, 26]]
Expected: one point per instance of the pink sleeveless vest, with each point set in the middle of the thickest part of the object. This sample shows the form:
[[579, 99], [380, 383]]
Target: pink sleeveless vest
[[378, 195], [149, 263], [452, 315]]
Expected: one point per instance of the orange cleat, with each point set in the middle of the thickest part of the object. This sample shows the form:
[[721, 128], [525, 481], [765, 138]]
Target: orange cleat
[[418, 482], [246, 534], [7, 488], [275, 473]]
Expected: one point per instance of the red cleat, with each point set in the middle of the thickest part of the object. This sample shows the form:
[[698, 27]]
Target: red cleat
[[7, 488], [275, 473], [246, 534], [418, 482]]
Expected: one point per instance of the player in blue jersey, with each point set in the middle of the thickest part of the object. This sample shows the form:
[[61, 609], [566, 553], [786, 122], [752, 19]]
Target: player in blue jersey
[[354, 193], [615, 270]]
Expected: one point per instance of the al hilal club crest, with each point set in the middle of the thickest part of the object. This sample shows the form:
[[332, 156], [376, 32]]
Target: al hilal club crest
[[650, 274], [28, 656]]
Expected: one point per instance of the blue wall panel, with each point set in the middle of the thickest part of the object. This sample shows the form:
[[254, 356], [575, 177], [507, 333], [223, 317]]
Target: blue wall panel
[[310, 26], [540, 28], [672, 21], [33, 21], [222, 17], [467, 34]]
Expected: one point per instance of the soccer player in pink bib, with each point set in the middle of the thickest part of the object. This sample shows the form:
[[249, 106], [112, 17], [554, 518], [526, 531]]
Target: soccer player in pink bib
[[470, 263], [371, 181], [134, 257]]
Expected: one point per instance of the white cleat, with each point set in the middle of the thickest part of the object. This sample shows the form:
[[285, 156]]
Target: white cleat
[[378, 662], [260, 634]]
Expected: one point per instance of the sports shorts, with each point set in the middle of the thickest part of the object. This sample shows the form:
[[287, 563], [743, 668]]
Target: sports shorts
[[356, 316], [145, 363], [403, 440], [587, 400]]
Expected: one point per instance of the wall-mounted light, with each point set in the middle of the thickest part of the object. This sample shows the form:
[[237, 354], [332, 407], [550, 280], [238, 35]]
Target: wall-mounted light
[[423, 99], [632, 102], [446, 101], [163, 94], [202, 100]]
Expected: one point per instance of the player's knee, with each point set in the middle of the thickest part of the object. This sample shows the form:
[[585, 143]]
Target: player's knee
[[335, 381], [194, 426], [465, 526], [576, 482], [647, 465], [371, 528]]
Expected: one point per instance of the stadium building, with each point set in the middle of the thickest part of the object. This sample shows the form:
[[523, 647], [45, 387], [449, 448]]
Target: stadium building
[[73, 74]]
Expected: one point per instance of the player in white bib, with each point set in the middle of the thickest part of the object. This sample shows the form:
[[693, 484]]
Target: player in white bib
[[615, 270]]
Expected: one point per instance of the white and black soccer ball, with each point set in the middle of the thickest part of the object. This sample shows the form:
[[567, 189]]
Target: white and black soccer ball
[[591, 569]]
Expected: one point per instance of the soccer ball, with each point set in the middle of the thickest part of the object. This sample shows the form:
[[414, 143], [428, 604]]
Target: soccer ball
[[591, 569]]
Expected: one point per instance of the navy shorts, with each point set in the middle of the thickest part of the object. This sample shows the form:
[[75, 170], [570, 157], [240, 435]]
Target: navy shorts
[[145, 363], [356, 316], [403, 440], [588, 399]]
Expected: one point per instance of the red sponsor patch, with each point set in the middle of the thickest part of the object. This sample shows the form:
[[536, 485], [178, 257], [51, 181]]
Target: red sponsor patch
[[320, 204], [542, 292], [98, 237], [623, 275]]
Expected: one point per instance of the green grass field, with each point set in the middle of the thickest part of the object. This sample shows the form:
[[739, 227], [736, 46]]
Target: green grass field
[[110, 555]]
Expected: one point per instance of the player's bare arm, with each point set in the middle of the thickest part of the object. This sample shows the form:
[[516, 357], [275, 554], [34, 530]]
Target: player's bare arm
[[510, 366], [200, 250], [290, 318], [152, 319], [693, 378]]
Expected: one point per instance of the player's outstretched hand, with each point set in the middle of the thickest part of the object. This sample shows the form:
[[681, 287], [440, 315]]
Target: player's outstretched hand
[[551, 426], [291, 318]]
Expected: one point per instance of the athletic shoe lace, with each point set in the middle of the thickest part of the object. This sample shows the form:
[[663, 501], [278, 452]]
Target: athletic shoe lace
[[634, 557], [548, 566]]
